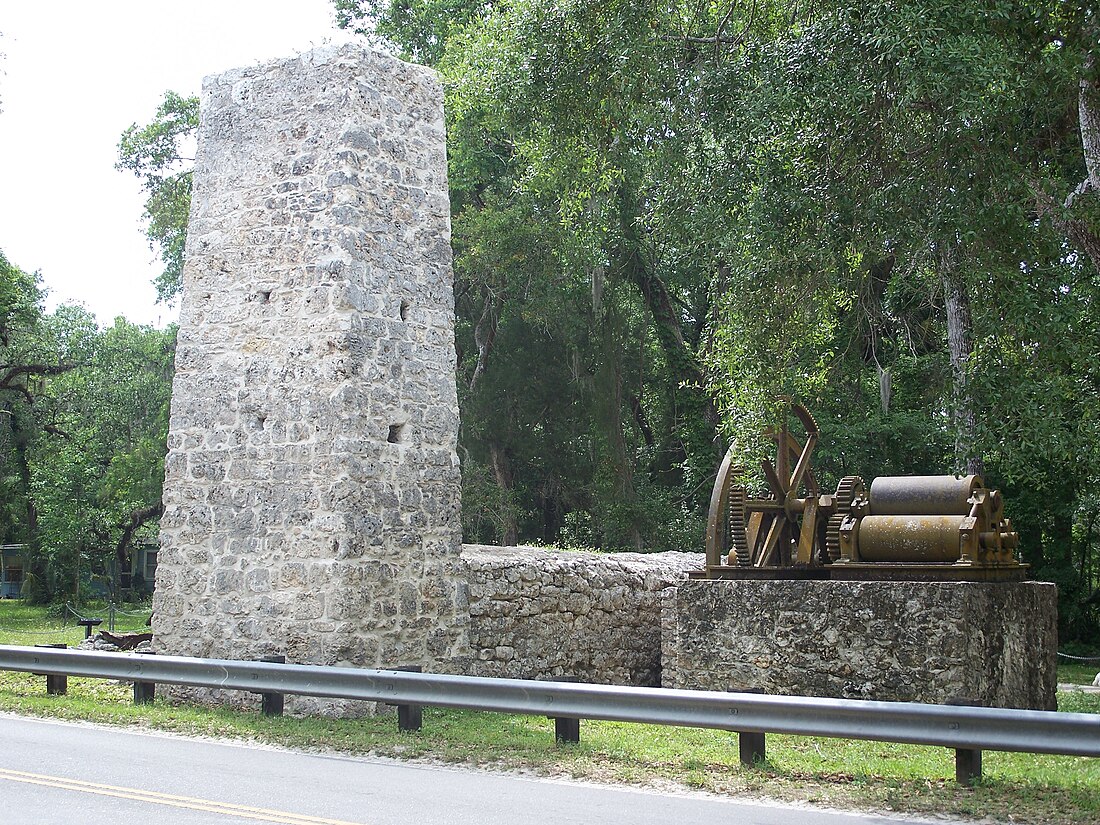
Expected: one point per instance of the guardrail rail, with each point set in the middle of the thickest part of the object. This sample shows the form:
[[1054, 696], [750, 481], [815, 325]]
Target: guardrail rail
[[969, 730]]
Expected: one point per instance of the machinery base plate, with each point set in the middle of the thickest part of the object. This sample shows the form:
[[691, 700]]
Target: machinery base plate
[[726, 571], [897, 571], [863, 571]]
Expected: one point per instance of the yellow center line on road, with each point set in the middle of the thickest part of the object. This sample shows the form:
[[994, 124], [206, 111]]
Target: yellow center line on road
[[210, 806]]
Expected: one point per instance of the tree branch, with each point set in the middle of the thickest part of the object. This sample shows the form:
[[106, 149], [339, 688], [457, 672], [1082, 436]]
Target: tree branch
[[130, 524], [25, 370], [485, 334]]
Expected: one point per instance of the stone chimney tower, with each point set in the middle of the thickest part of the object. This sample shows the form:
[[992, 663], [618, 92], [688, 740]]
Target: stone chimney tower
[[312, 486]]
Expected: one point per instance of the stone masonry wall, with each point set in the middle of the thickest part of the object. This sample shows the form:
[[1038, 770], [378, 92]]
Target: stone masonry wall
[[545, 614], [897, 641], [312, 486]]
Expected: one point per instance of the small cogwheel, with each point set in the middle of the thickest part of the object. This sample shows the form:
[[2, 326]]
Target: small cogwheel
[[846, 492]]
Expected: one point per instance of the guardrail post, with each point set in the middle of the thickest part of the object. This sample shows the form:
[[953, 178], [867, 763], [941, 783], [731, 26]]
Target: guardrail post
[[56, 685], [144, 692], [271, 704], [968, 765], [751, 747], [567, 730], [410, 718], [968, 761], [751, 744]]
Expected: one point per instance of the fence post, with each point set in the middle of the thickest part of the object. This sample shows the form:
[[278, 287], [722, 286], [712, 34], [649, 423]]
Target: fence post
[[56, 685], [111, 616], [271, 704], [968, 761], [410, 718], [751, 745]]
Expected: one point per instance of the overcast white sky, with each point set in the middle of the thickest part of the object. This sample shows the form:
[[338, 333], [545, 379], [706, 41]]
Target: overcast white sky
[[74, 76]]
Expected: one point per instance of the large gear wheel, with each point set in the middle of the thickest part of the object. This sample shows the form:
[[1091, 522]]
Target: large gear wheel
[[846, 492], [782, 526], [738, 538]]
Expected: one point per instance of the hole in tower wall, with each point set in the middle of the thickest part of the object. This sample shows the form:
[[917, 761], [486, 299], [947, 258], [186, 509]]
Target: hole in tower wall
[[404, 310], [397, 434]]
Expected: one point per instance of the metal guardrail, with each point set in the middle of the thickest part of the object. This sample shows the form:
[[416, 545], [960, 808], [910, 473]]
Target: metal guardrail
[[968, 730]]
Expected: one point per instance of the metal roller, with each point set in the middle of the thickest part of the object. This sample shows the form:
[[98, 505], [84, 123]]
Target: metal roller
[[915, 539], [904, 527], [923, 495]]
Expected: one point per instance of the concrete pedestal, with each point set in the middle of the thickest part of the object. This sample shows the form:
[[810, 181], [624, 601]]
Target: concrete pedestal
[[991, 644]]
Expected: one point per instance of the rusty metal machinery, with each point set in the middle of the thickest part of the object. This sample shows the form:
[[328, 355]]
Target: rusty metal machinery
[[928, 520], [910, 527]]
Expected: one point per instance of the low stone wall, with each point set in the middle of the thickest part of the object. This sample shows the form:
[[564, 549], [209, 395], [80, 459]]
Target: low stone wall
[[995, 643], [547, 614]]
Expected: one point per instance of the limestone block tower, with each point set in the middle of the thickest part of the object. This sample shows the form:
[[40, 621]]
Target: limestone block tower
[[312, 486]]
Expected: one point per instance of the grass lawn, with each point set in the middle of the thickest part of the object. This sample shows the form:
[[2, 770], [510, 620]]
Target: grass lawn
[[23, 624], [1077, 673], [828, 772]]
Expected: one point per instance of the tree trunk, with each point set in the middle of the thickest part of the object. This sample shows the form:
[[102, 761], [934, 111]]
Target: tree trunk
[[1080, 231], [485, 334], [1088, 111], [885, 387], [40, 589], [502, 472], [612, 389], [960, 350], [21, 441], [686, 369]]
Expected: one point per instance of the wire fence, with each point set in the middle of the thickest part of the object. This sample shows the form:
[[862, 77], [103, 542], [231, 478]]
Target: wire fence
[[113, 612], [1079, 658]]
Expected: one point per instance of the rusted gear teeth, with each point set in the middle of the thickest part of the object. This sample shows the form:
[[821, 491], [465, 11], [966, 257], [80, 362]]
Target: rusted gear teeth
[[846, 492], [738, 538], [832, 536], [808, 421]]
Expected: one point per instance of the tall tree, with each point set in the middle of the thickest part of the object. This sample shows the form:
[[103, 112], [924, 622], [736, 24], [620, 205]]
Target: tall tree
[[886, 209], [98, 484], [159, 154], [83, 427]]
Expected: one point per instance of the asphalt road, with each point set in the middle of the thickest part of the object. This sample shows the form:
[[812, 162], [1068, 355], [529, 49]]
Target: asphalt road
[[73, 774]]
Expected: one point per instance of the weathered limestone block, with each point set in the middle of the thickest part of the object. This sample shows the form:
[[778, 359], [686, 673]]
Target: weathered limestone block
[[547, 614], [312, 481], [994, 643]]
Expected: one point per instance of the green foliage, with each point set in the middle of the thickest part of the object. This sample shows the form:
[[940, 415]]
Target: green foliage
[[664, 211], [156, 153], [82, 435], [420, 28], [23, 359], [893, 148], [108, 462], [559, 149]]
